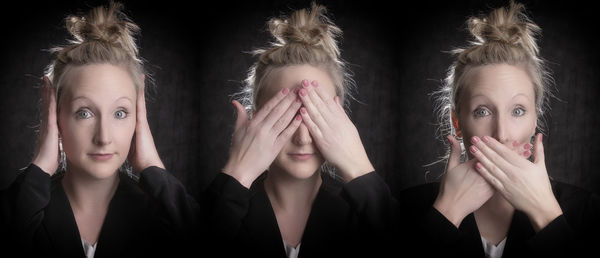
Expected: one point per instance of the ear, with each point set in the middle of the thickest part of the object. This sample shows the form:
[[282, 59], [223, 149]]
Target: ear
[[455, 124]]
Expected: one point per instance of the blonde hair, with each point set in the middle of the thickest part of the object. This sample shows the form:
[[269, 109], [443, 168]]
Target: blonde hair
[[103, 35], [504, 36], [305, 37]]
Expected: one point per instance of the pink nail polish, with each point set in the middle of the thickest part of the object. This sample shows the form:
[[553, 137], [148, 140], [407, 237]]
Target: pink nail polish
[[302, 92], [515, 143], [285, 91], [474, 139], [304, 83], [527, 146], [298, 117], [315, 83], [303, 111], [526, 154], [473, 149], [485, 139], [478, 166]]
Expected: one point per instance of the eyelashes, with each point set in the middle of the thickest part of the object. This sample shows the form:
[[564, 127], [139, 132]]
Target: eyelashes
[[85, 113], [482, 111]]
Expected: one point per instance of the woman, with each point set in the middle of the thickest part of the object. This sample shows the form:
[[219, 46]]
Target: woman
[[71, 201], [297, 208], [500, 202]]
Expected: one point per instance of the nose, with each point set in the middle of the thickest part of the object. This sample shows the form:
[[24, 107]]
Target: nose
[[102, 133], [500, 131], [302, 136]]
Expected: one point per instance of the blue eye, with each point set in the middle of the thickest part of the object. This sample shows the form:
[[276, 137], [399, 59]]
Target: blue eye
[[83, 114], [518, 112], [481, 112], [121, 114]]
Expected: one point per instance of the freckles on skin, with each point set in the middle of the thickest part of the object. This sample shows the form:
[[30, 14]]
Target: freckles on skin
[[491, 103]]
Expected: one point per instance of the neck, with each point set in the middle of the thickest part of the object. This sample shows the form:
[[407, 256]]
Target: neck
[[288, 193], [88, 193], [497, 206]]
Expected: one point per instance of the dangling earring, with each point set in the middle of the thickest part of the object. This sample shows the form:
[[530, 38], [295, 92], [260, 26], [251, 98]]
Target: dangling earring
[[62, 163]]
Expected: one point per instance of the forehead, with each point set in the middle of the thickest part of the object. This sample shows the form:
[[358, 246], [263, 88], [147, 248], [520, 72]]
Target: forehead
[[498, 82], [99, 81], [291, 77]]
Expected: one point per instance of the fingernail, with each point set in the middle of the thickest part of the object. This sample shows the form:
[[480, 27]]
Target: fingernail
[[298, 100], [485, 139], [298, 117], [303, 110], [315, 83], [478, 166], [285, 91], [473, 149], [526, 154], [516, 143], [302, 92], [305, 83], [474, 139], [527, 146]]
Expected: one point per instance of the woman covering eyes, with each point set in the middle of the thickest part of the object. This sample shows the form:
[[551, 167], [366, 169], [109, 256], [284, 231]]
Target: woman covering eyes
[[276, 196], [496, 199], [79, 197]]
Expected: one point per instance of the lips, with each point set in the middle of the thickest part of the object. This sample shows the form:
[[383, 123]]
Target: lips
[[301, 156], [101, 156]]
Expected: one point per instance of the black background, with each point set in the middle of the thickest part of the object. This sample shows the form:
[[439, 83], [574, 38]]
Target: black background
[[197, 54]]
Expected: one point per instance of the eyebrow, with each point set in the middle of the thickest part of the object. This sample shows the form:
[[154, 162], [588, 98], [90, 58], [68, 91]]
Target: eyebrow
[[85, 98]]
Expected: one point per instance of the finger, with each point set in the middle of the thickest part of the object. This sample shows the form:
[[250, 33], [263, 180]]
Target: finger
[[312, 111], [455, 152], [242, 115], [141, 104], [313, 129], [51, 103], [273, 103], [497, 153], [488, 163], [320, 103], [538, 150], [288, 132], [489, 177], [324, 96], [280, 109], [285, 119]]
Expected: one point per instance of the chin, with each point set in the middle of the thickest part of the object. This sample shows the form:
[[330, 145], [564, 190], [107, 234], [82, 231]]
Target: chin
[[101, 171]]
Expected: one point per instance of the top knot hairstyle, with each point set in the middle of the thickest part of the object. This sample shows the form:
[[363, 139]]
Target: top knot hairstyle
[[305, 37], [103, 35], [504, 36]]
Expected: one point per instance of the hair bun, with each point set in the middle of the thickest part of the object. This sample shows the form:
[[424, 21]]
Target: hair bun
[[504, 26], [308, 27], [102, 25]]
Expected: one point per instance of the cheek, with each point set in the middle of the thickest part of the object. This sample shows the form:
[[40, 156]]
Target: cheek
[[74, 136], [123, 134]]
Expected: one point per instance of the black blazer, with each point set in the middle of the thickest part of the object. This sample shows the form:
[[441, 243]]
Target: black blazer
[[344, 219], [140, 221], [570, 235]]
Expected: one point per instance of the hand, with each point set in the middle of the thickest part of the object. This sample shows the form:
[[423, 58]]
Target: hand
[[462, 190], [257, 142], [334, 134], [523, 183], [143, 153], [47, 154]]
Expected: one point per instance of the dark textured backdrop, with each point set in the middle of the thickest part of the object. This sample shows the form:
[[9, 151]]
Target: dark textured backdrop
[[198, 57]]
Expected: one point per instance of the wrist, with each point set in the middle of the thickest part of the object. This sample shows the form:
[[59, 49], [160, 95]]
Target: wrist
[[238, 175], [351, 172], [450, 210], [542, 216]]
